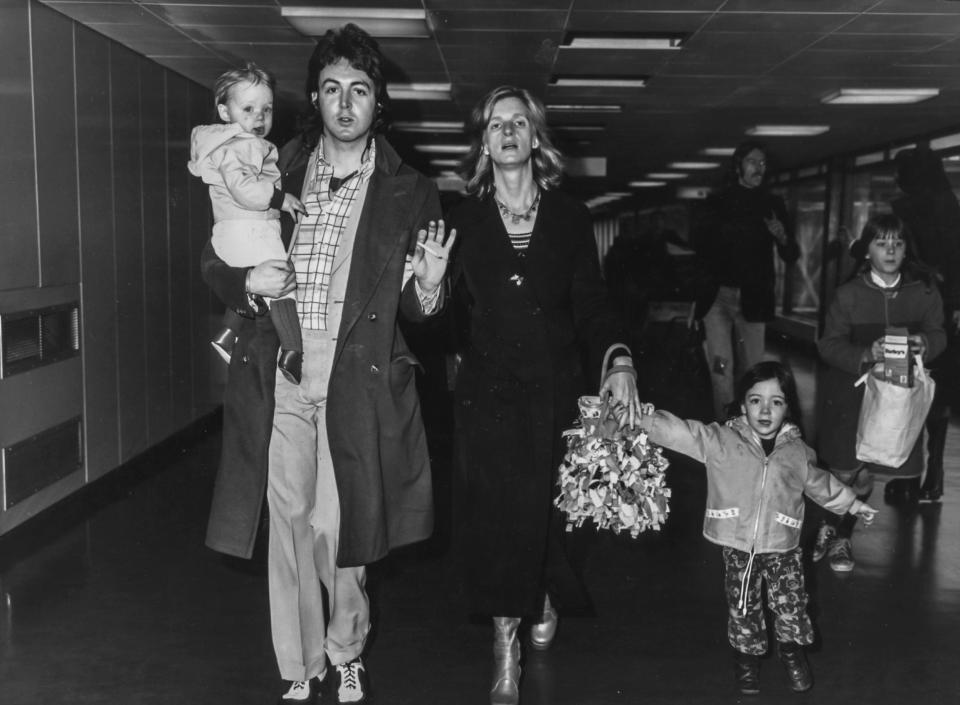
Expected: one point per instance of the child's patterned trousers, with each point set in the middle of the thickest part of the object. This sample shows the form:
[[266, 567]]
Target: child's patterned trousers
[[786, 598]]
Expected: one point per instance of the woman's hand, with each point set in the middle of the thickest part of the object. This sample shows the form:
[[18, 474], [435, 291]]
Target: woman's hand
[[622, 388], [431, 256], [876, 350]]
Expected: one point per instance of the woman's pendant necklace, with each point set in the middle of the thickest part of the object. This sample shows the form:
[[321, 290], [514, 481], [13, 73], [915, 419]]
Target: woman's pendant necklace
[[515, 218]]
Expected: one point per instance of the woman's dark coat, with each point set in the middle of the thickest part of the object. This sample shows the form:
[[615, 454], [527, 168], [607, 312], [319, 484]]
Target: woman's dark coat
[[377, 438], [527, 323]]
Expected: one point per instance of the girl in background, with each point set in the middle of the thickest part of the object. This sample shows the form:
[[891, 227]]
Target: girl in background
[[890, 288]]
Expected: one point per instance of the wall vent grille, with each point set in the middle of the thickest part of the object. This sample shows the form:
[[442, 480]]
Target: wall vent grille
[[37, 462], [30, 339]]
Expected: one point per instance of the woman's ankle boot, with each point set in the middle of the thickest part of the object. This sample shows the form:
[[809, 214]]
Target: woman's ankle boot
[[747, 672], [541, 634], [798, 670], [506, 662]]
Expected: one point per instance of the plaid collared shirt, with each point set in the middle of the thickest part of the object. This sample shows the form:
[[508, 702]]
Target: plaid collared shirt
[[320, 231]]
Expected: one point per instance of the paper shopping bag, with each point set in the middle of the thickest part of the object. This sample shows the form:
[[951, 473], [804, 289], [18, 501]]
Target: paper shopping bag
[[892, 417]]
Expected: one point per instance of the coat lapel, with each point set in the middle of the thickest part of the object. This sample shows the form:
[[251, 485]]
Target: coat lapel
[[381, 232]]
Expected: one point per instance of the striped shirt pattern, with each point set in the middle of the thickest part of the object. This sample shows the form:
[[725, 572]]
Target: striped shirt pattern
[[319, 235], [520, 241]]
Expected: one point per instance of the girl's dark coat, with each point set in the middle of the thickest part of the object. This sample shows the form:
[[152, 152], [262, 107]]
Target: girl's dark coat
[[858, 315], [526, 326]]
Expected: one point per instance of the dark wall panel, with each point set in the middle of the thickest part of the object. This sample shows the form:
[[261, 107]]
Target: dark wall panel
[[128, 238], [18, 237], [56, 147], [207, 309], [178, 136], [156, 256], [99, 315]]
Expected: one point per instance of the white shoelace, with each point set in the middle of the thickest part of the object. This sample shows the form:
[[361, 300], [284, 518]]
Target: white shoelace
[[299, 690], [350, 681]]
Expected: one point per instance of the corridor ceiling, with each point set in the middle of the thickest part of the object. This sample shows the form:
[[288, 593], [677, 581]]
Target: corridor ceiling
[[741, 63]]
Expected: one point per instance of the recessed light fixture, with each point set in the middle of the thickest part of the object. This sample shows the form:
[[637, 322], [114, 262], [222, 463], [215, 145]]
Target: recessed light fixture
[[621, 41], [577, 128], [377, 21], [419, 91], [668, 175], [693, 192], [718, 151], [646, 184], [584, 108], [787, 130], [428, 126], [586, 166], [693, 165], [442, 148], [598, 82], [880, 96]]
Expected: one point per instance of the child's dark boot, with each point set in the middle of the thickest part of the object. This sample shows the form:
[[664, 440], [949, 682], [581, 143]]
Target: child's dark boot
[[798, 670], [291, 365], [747, 671]]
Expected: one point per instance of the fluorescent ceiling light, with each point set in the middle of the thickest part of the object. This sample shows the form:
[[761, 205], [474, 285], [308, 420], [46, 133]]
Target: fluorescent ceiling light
[[419, 91], [428, 126], [445, 163], [718, 151], [377, 21], [623, 42], [442, 148], [578, 128], [880, 96], [583, 108], [587, 166], [693, 165], [647, 184], [693, 192], [666, 175], [598, 82], [787, 130]]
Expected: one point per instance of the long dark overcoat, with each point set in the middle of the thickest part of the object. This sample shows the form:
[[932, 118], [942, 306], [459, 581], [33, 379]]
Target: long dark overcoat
[[377, 439], [528, 323]]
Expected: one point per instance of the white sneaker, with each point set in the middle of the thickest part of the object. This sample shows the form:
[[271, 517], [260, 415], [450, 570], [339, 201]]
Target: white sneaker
[[299, 692], [351, 681]]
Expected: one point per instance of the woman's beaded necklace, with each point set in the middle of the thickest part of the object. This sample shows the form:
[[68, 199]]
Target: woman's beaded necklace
[[515, 218]]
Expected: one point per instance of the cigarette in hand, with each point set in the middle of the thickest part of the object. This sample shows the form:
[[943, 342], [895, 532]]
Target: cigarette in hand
[[433, 251]]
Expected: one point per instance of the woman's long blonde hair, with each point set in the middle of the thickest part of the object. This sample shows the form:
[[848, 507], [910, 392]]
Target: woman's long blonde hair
[[476, 167]]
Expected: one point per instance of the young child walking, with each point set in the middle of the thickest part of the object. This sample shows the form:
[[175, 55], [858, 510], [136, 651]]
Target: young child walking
[[240, 166], [889, 287], [758, 470]]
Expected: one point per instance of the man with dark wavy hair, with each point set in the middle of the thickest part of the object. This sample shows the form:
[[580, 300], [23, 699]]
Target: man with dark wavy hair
[[744, 225], [342, 458]]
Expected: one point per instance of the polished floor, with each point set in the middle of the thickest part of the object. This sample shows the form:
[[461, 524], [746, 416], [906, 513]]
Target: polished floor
[[112, 598]]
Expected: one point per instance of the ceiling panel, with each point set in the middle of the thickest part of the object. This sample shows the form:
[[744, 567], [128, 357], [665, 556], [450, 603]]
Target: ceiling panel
[[745, 61]]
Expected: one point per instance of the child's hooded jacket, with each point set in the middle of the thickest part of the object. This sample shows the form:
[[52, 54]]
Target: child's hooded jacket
[[241, 170], [754, 501]]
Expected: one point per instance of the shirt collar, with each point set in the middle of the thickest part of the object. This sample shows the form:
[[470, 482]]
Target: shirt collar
[[367, 160], [875, 278]]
